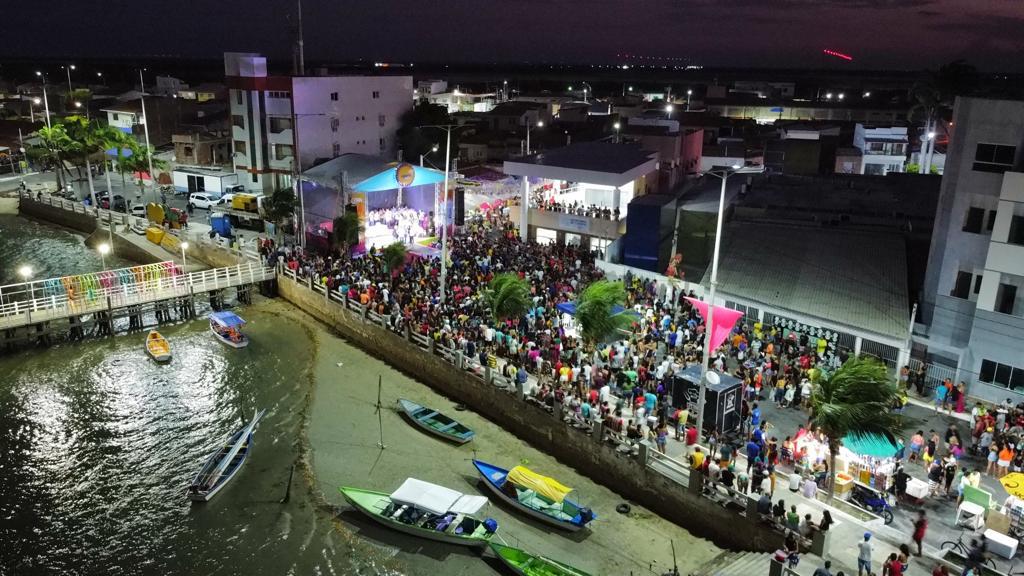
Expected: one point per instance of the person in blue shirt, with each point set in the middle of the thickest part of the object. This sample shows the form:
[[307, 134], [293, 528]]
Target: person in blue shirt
[[753, 450], [650, 401], [521, 375], [755, 416]]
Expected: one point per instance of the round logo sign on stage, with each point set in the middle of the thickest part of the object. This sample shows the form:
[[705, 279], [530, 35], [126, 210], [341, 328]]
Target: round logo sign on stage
[[405, 174]]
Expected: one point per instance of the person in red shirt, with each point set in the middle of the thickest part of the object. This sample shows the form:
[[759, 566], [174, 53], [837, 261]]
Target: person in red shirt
[[920, 527], [691, 437]]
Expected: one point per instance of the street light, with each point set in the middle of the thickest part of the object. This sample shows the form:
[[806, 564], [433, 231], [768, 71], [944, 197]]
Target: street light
[[184, 246], [540, 124], [145, 127], [669, 108], [25, 271], [723, 174], [104, 249], [617, 126], [841, 95], [31, 111], [867, 94], [828, 96], [432, 149], [69, 68], [688, 94], [46, 101]]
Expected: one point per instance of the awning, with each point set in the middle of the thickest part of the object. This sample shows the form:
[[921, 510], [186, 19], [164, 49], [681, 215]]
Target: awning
[[436, 499], [227, 319], [387, 180], [870, 445], [570, 309], [547, 487]]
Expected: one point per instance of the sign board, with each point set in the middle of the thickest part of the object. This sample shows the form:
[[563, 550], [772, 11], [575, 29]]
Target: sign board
[[575, 223], [405, 174]]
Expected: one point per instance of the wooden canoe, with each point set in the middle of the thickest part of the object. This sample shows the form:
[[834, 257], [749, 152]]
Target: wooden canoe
[[434, 422], [223, 464], [158, 347]]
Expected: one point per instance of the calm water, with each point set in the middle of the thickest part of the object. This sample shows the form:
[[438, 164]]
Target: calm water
[[98, 443]]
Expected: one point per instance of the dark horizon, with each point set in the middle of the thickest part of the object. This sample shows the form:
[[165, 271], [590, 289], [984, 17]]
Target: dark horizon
[[879, 34]]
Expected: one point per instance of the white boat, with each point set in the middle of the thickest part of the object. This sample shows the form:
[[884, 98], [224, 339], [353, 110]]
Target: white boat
[[223, 464], [226, 326]]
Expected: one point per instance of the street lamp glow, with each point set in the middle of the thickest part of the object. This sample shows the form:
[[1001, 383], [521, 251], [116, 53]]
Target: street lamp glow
[[184, 245], [36, 101], [841, 95], [104, 248], [867, 94], [72, 66], [931, 135], [617, 125], [669, 108], [828, 96], [689, 92], [78, 104], [25, 271], [540, 123], [38, 73], [736, 166], [99, 74], [433, 149]]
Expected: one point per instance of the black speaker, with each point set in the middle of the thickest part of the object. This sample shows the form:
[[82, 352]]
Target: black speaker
[[460, 206]]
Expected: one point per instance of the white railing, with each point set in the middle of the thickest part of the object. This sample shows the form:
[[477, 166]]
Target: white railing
[[104, 216], [52, 307]]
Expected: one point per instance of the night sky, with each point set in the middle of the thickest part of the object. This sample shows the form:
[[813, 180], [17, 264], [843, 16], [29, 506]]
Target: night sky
[[880, 34]]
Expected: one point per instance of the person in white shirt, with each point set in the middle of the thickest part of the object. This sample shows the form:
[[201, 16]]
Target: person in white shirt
[[864, 555], [606, 391]]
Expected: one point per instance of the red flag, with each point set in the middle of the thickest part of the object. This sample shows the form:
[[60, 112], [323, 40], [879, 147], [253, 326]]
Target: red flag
[[724, 320]]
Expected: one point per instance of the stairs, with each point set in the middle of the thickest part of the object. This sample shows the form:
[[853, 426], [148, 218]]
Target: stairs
[[754, 564]]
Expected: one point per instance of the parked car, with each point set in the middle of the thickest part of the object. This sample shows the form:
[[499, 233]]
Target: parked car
[[203, 199], [119, 204], [138, 210]]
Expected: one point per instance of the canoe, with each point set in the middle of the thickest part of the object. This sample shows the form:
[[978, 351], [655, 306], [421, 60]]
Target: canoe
[[537, 496], [158, 347], [435, 423], [522, 562], [426, 510], [223, 464], [227, 327]]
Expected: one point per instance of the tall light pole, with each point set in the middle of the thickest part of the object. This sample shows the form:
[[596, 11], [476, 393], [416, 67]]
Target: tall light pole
[[69, 68], [103, 249], [540, 124], [617, 126], [723, 174], [46, 101], [145, 126], [668, 110], [31, 108], [433, 149], [100, 76], [688, 94], [444, 226]]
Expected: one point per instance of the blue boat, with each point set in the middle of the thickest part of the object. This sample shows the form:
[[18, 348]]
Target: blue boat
[[543, 498], [226, 326]]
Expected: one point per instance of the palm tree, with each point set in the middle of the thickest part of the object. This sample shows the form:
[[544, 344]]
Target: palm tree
[[933, 95], [138, 162], [394, 257], [123, 144], [346, 230], [595, 311], [280, 207], [507, 296], [854, 400], [89, 136], [54, 143]]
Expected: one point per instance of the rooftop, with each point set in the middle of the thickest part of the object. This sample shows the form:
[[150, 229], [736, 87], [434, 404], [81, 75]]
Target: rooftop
[[851, 280], [602, 163]]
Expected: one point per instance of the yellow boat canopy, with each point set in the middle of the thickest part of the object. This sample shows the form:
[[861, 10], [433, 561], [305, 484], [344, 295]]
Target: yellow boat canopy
[[547, 487]]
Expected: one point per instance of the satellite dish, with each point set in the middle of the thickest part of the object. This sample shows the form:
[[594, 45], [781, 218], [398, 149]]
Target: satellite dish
[[712, 377]]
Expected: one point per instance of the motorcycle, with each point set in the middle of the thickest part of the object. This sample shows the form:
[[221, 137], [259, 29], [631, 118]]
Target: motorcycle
[[872, 500]]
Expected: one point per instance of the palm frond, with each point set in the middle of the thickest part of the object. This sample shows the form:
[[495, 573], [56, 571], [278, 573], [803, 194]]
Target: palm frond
[[595, 311], [507, 296], [856, 399], [394, 256]]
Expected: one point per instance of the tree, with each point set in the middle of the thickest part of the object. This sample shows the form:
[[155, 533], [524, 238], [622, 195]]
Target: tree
[[280, 207], [933, 96], [90, 139], [138, 163], [414, 140], [507, 296], [595, 311], [855, 400], [54, 143], [345, 231], [123, 145], [394, 257]]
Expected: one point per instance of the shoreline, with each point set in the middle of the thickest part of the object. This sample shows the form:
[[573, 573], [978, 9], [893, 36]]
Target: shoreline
[[339, 447]]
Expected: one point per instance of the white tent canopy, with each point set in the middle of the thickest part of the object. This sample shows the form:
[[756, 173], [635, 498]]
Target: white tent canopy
[[436, 499]]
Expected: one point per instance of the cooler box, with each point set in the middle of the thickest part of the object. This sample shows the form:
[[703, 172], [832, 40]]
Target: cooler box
[[844, 483], [155, 235], [917, 489], [1001, 544]]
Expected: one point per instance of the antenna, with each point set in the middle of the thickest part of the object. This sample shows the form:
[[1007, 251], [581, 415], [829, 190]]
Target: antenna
[[300, 45]]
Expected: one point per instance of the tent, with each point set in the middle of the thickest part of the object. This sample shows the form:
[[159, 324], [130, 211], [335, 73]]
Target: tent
[[388, 179], [870, 445], [570, 309], [436, 499]]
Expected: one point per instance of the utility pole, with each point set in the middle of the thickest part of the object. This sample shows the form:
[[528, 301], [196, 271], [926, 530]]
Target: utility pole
[[301, 44], [145, 127], [444, 227]]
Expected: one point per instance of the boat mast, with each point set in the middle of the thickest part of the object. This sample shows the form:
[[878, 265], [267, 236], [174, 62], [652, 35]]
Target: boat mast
[[379, 411]]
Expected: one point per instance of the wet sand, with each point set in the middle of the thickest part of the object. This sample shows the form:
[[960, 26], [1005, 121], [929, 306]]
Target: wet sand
[[343, 435]]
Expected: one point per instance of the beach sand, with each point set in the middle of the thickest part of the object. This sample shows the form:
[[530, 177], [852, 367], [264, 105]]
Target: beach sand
[[343, 435]]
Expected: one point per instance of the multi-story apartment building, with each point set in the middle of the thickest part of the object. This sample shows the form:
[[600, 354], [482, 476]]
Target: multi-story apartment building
[[973, 301], [884, 149], [334, 115]]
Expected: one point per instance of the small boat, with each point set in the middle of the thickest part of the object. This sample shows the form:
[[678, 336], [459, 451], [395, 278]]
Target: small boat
[[223, 464], [427, 510], [538, 496], [435, 423], [158, 346], [226, 326], [522, 562]]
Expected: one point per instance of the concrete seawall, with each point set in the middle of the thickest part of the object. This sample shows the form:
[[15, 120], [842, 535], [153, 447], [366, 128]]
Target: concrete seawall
[[600, 462]]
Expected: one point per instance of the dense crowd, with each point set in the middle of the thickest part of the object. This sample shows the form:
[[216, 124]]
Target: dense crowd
[[403, 224], [575, 208]]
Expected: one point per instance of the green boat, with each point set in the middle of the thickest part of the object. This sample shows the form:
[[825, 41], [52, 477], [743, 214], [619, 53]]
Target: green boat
[[522, 562], [434, 422], [427, 510]]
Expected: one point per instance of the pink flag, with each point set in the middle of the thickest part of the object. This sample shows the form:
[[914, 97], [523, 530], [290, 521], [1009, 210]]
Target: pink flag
[[724, 320]]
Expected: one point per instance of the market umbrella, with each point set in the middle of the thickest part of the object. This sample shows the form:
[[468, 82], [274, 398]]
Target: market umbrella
[[870, 445], [1014, 484]]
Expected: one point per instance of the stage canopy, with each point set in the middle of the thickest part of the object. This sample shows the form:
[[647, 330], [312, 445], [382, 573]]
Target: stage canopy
[[570, 309], [388, 179]]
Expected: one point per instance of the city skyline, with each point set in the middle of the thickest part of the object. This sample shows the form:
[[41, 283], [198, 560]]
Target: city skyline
[[878, 34]]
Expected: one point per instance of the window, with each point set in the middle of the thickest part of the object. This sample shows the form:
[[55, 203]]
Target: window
[[238, 121], [336, 149], [1006, 298], [977, 283], [382, 144], [376, 93], [335, 123], [279, 95], [993, 158], [1016, 230], [962, 288], [238, 97], [114, 116], [991, 220], [1001, 374], [255, 178], [282, 151], [240, 146], [334, 96], [975, 218], [382, 119], [279, 124]]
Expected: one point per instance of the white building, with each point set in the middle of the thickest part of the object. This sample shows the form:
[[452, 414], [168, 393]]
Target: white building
[[973, 301], [335, 115], [459, 101], [884, 149]]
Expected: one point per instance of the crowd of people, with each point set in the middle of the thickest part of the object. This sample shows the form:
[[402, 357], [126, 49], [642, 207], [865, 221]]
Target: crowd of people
[[550, 204], [401, 224]]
